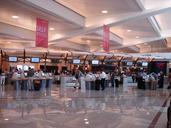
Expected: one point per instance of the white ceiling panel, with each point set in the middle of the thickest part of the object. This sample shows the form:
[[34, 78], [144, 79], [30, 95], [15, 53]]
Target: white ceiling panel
[[164, 21], [149, 4], [133, 26], [27, 17], [140, 28], [91, 8]]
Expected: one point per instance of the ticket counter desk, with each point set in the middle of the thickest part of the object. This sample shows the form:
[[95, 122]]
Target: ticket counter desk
[[70, 81], [38, 83], [90, 84]]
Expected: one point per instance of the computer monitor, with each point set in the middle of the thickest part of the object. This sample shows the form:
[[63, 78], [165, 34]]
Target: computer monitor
[[129, 63], [76, 61], [95, 62], [12, 59], [144, 64], [35, 60]]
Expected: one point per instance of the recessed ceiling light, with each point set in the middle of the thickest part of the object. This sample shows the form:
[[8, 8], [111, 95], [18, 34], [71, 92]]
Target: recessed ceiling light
[[6, 119], [51, 29], [137, 37], [87, 122], [104, 11], [15, 17], [8, 42], [85, 119], [129, 30], [88, 41]]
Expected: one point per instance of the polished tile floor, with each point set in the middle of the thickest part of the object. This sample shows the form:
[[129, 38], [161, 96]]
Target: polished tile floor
[[69, 108]]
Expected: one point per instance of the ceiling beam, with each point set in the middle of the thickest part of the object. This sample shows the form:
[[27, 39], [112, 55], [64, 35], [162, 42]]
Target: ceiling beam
[[57, 9], [134, 48], [151, 19], [16, 32], [70, 45], [113, 37], [147, 40], [114, 22]]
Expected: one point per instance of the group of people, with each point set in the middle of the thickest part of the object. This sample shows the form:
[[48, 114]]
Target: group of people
[[30, 74], [101, 78], [143, 78]]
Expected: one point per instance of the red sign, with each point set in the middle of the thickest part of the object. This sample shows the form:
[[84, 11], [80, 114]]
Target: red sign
[[106, 36], [42, 33]]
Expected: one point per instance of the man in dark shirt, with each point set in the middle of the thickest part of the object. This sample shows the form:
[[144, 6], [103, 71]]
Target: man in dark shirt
[[30, 75], [30, 72]]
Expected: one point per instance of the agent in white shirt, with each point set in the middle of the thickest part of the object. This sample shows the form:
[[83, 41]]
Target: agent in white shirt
[[103, 77]]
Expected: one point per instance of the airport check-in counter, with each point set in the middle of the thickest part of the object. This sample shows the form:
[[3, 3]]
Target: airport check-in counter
[[39, 83], [68, 81], [86, 83]]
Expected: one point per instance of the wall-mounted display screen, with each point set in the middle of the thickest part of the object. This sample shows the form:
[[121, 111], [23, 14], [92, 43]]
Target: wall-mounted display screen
[[35, 59], [129, 63], [12, 59], [76, 61], [95, 62], [145, 64]]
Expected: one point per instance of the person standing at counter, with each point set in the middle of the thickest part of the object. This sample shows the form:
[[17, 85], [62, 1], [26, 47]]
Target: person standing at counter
[[78, 75], [133, 77], [97, 81], [161, 80], [31, 75], [169, 80], [103, 77], [113, 79], [3, 80]]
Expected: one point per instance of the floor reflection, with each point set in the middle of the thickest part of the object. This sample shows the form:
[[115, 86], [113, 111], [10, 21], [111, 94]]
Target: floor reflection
[[69, 108]]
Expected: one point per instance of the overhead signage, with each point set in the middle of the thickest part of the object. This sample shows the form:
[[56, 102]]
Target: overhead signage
[[41, 33], [106, 38]]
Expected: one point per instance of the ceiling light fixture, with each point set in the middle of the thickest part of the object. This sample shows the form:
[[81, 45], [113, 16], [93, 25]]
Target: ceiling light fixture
[[87, 122], [104, 11], [51, 29], [129, 30], [6, 119], [85, 119], [15, 17], [137, 37], [88, 41]]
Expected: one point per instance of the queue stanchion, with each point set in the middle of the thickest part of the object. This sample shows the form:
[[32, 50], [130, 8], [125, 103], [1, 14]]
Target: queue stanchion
[[83, 84], [43, 84], [17, 87]]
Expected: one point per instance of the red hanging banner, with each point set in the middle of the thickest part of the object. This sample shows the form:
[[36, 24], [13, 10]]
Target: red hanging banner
[[41, 33], [106, 38]]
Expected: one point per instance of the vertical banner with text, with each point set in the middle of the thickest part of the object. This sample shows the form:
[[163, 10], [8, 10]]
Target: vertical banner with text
[[41, 33], [106, 38]]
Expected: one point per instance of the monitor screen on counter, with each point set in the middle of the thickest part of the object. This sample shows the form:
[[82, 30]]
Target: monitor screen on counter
[[12, 59], [35, 59], [95, 62], [129, 63], [76, 61], [145, 64]]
